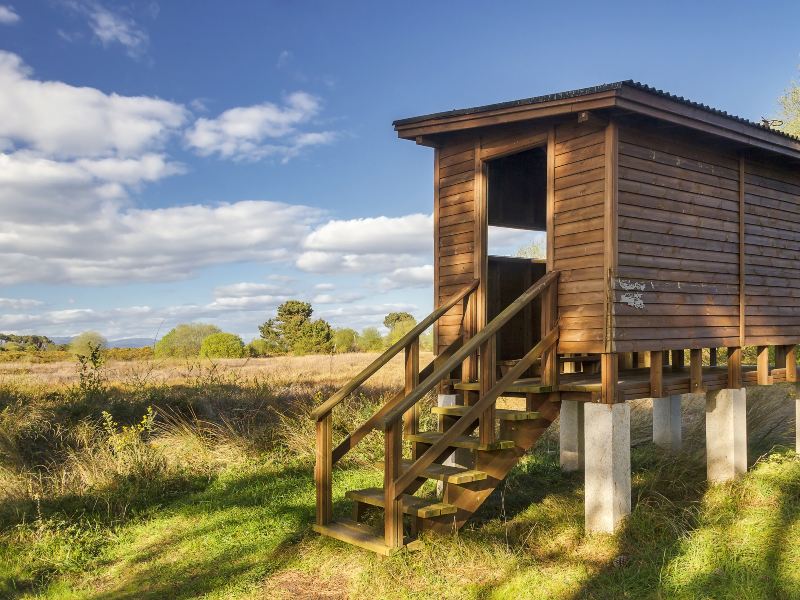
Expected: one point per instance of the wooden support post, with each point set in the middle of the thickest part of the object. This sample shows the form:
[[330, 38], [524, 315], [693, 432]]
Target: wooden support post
[[656, 374], [712, 357], [609, 377], [734, 368], [393, 512], [763, 365], [469, 369], [791, 364], [677, 359], [411, 418], [487, 379], [625, 361], [550, 366], [323, 470], [696, 371], [780, 356]]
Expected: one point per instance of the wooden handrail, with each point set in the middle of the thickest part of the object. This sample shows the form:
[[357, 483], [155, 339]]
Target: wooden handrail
[[375, 420], [460, 427], [327, 406], [469, 347]]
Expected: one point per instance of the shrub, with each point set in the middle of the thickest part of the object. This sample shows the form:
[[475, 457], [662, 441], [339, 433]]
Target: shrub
[[222, 345], [185, 340], [344, 340], [258, 348], [85, 343], [370, 340]]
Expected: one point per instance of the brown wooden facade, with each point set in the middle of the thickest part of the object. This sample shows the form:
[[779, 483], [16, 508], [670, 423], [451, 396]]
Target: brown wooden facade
[[673, 226]]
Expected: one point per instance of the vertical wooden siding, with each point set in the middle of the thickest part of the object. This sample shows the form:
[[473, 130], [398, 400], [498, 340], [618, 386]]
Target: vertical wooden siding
[[677, 280], [772, 244], [579, 184], [455, 230]]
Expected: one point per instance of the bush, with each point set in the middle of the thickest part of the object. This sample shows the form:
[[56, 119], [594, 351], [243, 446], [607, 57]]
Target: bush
[[344, 340], [258, 348], [370, 340], [222, 345], [185, 340], [85, 343]]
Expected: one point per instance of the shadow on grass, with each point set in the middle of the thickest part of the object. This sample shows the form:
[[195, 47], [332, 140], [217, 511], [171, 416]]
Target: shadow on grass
[[234, 533]]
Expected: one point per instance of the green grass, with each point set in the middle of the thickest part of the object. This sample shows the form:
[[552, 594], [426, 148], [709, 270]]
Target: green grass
[[216, 500], [246, 534]]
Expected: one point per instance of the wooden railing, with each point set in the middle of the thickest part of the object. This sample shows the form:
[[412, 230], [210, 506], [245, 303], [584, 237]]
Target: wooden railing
[[326, 456], [395, 482]]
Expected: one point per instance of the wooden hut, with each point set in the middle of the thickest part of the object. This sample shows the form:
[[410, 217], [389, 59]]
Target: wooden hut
[[669, 227]]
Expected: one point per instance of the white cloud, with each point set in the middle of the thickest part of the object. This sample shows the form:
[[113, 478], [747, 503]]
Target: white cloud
[[324, 287], [369, 245], [8, 16], [247, 289], [284, 58], [410, 234], [408, 277], [337, 298], [111, 28], [150, 244], [18, 303], [65, 121], [259, 131]]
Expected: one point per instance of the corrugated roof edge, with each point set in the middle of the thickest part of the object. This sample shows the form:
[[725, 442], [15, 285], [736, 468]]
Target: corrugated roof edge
[[592, 90]]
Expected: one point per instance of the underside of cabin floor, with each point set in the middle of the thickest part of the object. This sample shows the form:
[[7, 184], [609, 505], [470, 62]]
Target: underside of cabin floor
[[633, 383]]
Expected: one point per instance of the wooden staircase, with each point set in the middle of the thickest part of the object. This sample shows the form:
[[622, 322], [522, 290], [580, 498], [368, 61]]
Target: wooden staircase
[[496, 438]]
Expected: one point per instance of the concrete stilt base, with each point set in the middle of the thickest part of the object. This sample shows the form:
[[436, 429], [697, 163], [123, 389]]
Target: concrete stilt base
[[726, 434], [571, 438], [667, 422], [607, 466]]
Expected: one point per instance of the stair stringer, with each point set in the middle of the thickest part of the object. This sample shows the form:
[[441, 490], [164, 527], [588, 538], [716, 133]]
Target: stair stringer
[[496, 464]]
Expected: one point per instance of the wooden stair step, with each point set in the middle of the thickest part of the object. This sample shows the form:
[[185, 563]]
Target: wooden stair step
[[363, 536], [502, 413], [464, 441], [411, 505], [446, 473]]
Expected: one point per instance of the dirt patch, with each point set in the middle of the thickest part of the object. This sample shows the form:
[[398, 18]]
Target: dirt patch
[[305, 586]]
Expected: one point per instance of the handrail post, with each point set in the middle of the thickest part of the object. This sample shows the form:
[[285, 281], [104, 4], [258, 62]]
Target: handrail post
[[469, 368], [323, 469], [411, 418], [488, 376], [550, 366], [393, 512]]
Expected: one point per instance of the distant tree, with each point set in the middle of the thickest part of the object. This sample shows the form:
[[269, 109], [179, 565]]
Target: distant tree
[[790, 109], [370, 340], [426, 341], [393, 318], [399, 330], [185, 340], [315, 337], [83, 344], [292, 330], [28, 342], [344, 340], [222, 345], [258, 348], [536, 249]]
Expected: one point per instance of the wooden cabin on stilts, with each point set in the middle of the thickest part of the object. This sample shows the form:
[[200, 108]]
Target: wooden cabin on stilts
[[669, 227]]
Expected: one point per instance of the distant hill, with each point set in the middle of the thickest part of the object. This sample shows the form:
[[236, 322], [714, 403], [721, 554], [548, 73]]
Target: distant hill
[[121, 343]]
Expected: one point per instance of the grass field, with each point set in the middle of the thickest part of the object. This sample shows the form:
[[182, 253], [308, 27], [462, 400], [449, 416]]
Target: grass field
[[173, 480]]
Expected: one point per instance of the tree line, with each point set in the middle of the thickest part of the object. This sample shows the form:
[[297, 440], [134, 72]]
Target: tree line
[[292, 331]]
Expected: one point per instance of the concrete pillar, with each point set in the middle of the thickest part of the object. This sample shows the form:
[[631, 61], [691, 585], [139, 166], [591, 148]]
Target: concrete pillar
[[726, 434], [667, 422], [608, 466], [461, 457], [570, 435]]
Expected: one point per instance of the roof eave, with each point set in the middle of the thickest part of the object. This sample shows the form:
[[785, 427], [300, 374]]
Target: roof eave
[[437, 124]]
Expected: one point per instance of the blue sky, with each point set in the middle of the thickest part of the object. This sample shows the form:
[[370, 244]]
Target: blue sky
[[184, 161]]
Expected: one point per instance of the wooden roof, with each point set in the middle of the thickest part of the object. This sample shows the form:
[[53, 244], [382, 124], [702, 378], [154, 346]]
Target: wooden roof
[[626, 96]]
